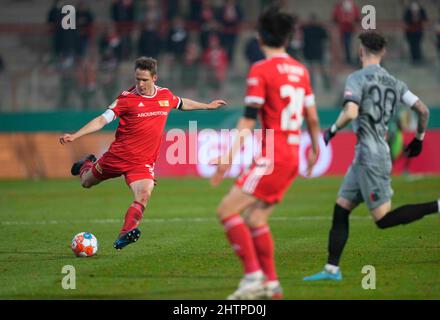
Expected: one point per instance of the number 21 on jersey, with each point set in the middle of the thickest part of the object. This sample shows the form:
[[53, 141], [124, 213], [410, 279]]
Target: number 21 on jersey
[[292, 114]]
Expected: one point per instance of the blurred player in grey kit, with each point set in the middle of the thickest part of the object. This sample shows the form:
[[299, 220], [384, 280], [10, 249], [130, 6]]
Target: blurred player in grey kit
[[370, 99]]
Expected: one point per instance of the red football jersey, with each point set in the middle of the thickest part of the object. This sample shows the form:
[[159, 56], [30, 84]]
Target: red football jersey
[[141, 124], [281, 86]]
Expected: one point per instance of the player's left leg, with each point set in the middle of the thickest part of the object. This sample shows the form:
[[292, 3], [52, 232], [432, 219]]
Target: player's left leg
[[83, 168], [257, 217], [385, 218]]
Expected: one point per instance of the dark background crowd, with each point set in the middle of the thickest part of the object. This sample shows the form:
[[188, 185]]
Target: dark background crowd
[[197, 41]]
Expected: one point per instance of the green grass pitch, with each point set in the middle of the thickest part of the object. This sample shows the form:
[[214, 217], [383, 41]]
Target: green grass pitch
[[183, 254]]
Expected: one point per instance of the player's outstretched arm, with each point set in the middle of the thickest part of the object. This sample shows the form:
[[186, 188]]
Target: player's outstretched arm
[[312, 122], [350, 112], [95, 125], [415, 147], [188, 104]]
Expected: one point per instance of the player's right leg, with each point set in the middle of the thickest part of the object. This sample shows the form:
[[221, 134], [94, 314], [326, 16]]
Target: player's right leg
[[349, 197], [337, 240], [239, 236]]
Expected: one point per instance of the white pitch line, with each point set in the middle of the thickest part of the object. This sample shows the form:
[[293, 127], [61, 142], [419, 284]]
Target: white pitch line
[[164, 220]]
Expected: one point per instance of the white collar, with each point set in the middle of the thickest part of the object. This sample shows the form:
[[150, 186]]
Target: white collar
[[280, 55], [145, 96]]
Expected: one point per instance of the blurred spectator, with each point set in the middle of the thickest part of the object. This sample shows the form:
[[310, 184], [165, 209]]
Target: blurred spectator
[[110, 57], [110, 41], [314, 38], [2, 86], [415, 18], [150, 41], [67, 83], [63, 41], [149, 10], [195, 9], [172, 9], [207, 23], [230, 16], [346, 14], [437, 35], [109, 76], [190, 68], [122, 12], [215, 59], [283, 4], [296, 43], [84, 23], [86, 82], [177, 40], [253, 51], [2, 65], [54, 18]]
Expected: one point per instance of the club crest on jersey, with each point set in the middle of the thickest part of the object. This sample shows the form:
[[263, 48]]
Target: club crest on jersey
[[374, 196], [164, 103]]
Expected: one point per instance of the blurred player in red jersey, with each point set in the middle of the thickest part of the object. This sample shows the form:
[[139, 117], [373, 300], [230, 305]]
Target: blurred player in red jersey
[[143, 111], [279, 91]]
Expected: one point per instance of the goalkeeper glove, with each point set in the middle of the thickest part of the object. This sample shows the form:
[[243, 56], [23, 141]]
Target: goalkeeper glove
[[330, 133], [414, 148]]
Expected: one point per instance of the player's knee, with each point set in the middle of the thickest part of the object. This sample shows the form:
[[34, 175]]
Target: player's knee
[[255, 220], [222, 210], [143, 195]]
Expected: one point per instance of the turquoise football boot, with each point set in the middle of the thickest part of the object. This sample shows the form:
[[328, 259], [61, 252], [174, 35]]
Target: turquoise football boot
[[324, 275]]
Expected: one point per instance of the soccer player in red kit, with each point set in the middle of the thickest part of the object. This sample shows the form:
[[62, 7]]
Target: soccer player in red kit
[[143, 111], [279, 91]]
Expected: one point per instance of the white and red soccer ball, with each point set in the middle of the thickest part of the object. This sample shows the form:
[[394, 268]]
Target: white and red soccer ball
[[84, 244]]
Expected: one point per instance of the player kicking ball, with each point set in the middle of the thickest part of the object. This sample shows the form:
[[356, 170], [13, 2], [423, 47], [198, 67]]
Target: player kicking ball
[[370, 100], [278, 89], [143, 111]]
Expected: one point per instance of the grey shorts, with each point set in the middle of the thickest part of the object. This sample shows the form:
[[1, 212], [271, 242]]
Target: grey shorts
[[367, 183]]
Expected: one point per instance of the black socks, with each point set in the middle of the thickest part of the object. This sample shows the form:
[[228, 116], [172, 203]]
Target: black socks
[[338, 234], [407, 214]]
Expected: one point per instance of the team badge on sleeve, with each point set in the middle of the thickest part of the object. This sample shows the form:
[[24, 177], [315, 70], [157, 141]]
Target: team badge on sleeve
[[252, 82]]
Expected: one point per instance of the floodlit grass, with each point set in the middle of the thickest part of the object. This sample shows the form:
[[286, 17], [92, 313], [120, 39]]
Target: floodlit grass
[[183, 253]]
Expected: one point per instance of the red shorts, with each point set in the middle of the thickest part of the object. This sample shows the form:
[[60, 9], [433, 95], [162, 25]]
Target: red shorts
[[268, 181], [110, 166]]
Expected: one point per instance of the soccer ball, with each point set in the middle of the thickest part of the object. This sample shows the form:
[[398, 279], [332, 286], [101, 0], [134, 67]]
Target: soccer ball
[[84, 244]]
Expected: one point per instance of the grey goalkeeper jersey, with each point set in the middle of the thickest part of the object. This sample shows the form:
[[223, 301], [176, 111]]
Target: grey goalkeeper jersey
[[378, 94]]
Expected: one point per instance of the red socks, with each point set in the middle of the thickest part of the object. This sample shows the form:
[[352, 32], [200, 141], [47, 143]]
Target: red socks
[[264, 247], [240, 238], [133, 217]]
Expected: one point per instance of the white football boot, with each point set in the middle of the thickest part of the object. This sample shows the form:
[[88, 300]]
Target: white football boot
[[251, 287], [273, 290]]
